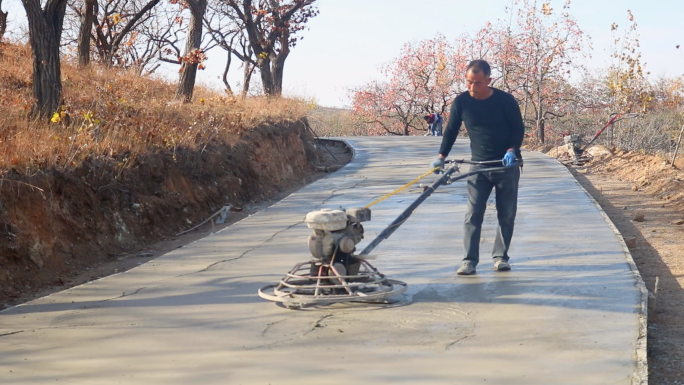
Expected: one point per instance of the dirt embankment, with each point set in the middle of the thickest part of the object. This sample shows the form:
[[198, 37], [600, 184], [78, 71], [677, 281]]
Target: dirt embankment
[[644, 196], [56, 224]]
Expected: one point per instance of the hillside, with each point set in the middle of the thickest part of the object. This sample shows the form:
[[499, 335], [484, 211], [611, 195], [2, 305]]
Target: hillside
[[122, 165]]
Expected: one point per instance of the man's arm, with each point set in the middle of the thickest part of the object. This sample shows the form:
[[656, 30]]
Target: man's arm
[[451, 131], [516, 125]]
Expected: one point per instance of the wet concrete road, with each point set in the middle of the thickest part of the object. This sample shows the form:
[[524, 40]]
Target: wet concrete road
[[568, 313]]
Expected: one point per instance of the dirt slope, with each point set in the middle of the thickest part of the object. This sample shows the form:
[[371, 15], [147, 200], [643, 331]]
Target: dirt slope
[[56, 225]]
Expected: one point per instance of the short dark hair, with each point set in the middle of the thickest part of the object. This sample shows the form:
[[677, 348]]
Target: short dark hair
[[480, 65]]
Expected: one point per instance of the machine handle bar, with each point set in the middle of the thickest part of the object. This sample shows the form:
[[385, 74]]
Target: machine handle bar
[[445, 178]]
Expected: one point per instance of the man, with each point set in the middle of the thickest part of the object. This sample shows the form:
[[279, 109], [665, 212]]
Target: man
[[434, 122], [494, 123]]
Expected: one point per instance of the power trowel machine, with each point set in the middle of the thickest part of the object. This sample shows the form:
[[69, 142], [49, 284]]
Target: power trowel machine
[[335, 274]]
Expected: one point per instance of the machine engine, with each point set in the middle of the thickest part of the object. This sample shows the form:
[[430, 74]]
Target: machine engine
[[574, 145], [334, 238]]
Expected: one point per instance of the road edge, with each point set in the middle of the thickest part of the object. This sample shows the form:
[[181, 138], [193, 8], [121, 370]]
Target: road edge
[[640, 376], [346, 143]]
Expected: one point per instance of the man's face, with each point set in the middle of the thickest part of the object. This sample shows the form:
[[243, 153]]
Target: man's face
[[478, 84]]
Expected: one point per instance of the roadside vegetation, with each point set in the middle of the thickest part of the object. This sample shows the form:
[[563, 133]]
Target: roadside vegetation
[[112, 112]]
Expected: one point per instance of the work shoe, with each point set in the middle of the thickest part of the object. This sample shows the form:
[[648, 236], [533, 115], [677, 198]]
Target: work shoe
[[501, 265], [467, 268]]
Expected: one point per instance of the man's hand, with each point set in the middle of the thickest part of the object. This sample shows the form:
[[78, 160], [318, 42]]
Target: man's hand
[[437, 163], [509, 159]]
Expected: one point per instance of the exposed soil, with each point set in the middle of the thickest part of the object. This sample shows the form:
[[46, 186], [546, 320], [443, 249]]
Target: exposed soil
[[644, 196], [61, 229]]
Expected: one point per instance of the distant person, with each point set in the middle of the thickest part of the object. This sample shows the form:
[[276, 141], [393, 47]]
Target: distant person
[[434, 122], [495, 126]]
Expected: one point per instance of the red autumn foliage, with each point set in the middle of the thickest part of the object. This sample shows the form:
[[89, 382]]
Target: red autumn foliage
[[532, 56], [422, 80]]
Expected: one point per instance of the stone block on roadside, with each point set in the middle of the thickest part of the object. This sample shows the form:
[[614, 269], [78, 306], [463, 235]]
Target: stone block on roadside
[[630, 242], [678, 222], [638, 216]]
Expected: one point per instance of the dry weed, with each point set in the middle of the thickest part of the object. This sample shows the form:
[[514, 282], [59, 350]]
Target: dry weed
[[654, 132], [115, 113], [334, 122]]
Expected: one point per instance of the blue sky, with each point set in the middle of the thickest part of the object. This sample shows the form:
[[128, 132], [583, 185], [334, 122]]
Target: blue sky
[[350, 39]]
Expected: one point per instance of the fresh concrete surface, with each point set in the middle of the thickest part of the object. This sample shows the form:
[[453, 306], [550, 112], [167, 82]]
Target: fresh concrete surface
[[570, 311]]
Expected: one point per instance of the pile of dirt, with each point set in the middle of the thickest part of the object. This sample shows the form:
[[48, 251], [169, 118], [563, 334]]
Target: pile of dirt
[[651, 174], [56, 224], [647, 173]]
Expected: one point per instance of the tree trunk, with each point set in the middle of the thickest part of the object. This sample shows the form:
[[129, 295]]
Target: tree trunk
[[540, 130], [186, 84], [540, 123], [229, 90], [266, 76], [87, 16], [540, 111], [278, 67], [524, 111], [679, 142], [45, 31], [279, 63], [249, 70], [3, 21]]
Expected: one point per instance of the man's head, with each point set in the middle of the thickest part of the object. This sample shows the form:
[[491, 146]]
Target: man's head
[[426, 117], [478, 77]]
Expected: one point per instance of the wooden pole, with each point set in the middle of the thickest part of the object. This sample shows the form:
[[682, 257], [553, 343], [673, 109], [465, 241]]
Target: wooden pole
[[679, 142]]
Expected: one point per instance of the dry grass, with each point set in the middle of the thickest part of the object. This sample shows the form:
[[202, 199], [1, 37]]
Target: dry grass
[[654, 132], [328, 121], [114, 113]]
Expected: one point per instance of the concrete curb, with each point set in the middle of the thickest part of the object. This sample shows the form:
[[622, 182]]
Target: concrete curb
[[640, 376], [340, 140], [346, 143]]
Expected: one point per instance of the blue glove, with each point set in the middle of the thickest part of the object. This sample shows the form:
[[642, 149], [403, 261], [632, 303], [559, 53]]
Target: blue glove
[[509, 159], [439, 162]]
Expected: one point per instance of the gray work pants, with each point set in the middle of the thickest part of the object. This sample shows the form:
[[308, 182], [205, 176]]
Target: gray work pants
[[505, 183]]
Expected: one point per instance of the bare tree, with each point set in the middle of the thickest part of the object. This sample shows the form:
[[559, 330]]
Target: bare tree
[[270, 26], [194, 55], [108, 35], [129, 34], [45, 31], [157, 38], [113, 30], [228, 33]]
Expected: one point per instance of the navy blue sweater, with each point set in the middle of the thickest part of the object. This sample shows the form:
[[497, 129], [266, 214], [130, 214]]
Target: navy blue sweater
[[494, 125]]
